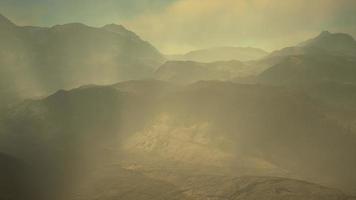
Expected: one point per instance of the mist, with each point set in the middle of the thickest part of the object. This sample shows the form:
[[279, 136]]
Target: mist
[[177, 100]]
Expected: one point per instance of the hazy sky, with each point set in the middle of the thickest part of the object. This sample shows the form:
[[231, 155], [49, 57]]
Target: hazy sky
[[176, 26]]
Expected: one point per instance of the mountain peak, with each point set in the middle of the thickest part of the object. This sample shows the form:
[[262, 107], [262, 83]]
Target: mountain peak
[[324, 33], [335, 43], [119, 29], [326, 36], [5, 21], [69, 26], [114, 26]]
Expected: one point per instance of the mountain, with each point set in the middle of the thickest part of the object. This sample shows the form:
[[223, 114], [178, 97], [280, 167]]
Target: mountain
[[39, 60], [4, 22], [339, 44], [333, 43], [323, 67], [190, 71], [222, 54], [168, 132], [329, 57], [309, 69]]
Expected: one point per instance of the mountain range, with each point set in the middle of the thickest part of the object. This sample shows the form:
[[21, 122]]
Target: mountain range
[[322, 67], [328, 57], [37, 61], [163, 133], [325, 43], [220, 123]]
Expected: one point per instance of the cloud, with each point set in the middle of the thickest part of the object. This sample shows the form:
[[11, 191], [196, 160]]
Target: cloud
[[271, 24]]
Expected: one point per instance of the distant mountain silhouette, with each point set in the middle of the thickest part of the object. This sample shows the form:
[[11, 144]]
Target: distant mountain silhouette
[[222, 54], [190, 71], [5, 21], [334, 44], [37, 60], [308, 69], [329, 57], [326, 43], [335, 51], [324, 68]]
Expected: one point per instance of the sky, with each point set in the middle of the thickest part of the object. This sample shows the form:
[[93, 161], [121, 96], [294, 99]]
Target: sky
[[178, 26]]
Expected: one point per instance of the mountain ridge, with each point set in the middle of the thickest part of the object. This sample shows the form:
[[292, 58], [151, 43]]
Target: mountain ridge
[[324, 58], [45, 59], [221, 53], [5, 21], [324, 43], [191, 71]]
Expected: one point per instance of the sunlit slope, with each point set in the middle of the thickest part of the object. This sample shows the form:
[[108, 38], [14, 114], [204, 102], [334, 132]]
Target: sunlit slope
[[204, 128]]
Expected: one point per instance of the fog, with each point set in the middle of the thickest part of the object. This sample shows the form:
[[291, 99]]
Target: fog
[[94, 111]]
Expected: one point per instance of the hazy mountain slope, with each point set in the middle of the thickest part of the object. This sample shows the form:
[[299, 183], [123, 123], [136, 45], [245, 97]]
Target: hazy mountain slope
[[36, 61], [333, 93], [340, 98], [335, 45], [327, 57], [323, 67], [274, 121], [190, 71], [325, 43], [241, 130], [222, 54], [148, 88], [308, 69], [73, 137], [71, 133]]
